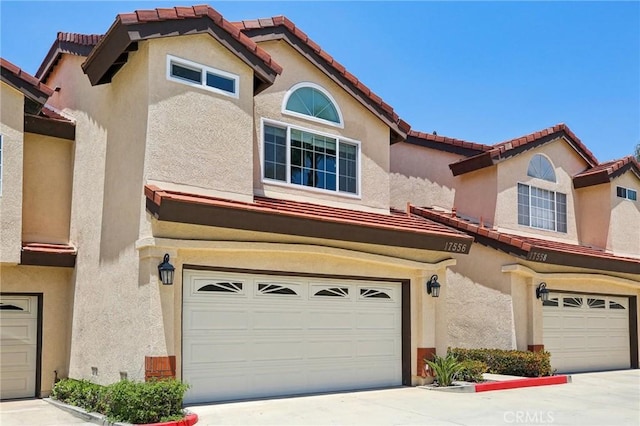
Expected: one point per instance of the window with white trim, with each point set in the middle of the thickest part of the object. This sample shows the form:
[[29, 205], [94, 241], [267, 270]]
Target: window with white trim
[[312, 102], [540, 167], [626, 193], [202, 76], [307, 158], [541, 208]]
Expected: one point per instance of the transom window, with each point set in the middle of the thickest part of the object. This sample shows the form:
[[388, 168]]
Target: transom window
[[627, 193], [540, 167], [301, 157], [198, 75], [541, 208], [311, 101]]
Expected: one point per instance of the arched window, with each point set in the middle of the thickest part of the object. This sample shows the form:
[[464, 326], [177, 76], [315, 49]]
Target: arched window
[[312, 101], [540, 167]]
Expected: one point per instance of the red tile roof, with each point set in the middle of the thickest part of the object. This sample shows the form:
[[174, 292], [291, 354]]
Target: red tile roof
[[117, 40], [317, 220], [604, 172], [474, 146], [283, 21], [26, 77], [40, 254], [66, 43], [80, 39], [536, 249], [515, 146]]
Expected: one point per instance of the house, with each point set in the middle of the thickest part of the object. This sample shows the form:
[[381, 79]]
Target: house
[[253, 163], [544, 215], [272, 186]]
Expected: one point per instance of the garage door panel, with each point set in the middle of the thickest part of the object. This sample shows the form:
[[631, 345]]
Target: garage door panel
[[277, 320], [18, 331], [17, 384], [326, 336]]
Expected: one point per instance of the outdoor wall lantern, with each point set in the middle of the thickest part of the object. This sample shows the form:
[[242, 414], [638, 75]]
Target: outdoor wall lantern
[[166, 270], [542, 292], [433, 286]]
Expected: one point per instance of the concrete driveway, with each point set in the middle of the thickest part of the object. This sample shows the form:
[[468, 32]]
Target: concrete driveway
[[610, 398]]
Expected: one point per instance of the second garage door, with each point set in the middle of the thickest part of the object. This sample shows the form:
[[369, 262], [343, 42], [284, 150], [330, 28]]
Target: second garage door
[[586, 332], [248, 336]]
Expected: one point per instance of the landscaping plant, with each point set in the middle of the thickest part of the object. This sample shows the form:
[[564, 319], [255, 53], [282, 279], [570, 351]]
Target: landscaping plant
[[509, 362], [445, 369], [126, 401]]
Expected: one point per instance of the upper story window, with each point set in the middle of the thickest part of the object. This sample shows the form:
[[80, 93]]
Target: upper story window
[[297, 156], [202, 76], [312, 102], [540, 167], [541, 208], [628, 193]]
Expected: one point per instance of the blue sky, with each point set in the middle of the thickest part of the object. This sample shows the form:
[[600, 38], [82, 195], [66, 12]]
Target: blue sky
[[479, 71]]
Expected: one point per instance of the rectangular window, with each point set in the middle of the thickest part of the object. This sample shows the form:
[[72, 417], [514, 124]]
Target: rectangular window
[[301, 157], [194, 74], [541, 208], [627, 193]]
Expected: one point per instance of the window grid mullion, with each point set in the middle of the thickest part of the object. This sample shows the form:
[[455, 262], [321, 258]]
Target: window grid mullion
[[288, 144]]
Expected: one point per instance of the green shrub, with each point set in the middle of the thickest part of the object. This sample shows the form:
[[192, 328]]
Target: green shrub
[[471, 370], [80, 393], [125, 401], [444, 368], [510, 362]]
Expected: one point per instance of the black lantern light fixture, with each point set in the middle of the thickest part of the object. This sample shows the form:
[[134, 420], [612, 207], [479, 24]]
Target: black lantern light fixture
[[433, 286], [166, 270], [542, 292]]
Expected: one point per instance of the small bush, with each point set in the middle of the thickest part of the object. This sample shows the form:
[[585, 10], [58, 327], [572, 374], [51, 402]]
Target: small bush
[[471, 370], [125, 401], [510, 362], [444, 368]]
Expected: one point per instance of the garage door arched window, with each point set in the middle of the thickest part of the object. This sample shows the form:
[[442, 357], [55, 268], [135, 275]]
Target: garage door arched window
[[312, 102]]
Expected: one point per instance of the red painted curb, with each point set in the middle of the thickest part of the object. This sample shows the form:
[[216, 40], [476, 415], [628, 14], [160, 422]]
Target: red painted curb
[[522, 383], [189, 420]]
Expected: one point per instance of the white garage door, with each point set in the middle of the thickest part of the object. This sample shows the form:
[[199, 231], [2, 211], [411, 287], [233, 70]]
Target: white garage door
[[248, 336], [18, 346], [586, 332]]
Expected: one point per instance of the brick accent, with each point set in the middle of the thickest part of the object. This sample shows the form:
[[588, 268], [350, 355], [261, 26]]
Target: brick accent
[[159, 367], [422, 354], [535, 348]]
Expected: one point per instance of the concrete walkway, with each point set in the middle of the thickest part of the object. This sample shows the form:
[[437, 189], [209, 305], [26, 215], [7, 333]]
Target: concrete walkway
[[611, 398]]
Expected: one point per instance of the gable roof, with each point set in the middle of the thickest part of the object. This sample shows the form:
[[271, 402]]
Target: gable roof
[[303, 219], [535, 249], [69, 43], [506, 149], [34, 91], [111, 52], [604, 172], [281, 28], [444, 143]]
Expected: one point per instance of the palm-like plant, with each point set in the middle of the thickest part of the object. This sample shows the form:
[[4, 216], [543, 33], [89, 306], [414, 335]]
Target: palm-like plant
[[445, 368]]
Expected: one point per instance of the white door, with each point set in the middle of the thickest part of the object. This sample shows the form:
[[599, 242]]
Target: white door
[[248, 336], [586, 332], [18, 346]]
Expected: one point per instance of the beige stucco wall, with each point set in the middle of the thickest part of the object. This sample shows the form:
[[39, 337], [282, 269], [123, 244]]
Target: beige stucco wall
[[624, 226], [46, 206], [421, 176], [11, 129], [476, 194], [359, 124], [566, 163], [55, 287], [593, 218], [194, 136]]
